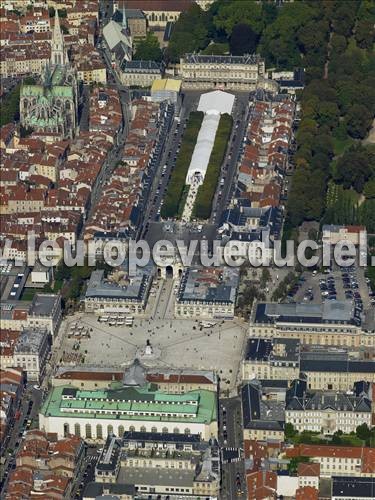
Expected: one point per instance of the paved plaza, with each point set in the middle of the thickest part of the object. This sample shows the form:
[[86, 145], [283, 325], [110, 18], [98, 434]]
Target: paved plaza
[[178, 343]]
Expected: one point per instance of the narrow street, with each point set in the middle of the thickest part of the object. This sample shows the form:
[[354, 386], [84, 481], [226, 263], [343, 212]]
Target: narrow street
[[230, 436], [29, 409]]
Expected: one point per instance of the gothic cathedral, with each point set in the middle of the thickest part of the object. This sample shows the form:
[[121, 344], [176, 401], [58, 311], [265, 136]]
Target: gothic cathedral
[[52, 106]]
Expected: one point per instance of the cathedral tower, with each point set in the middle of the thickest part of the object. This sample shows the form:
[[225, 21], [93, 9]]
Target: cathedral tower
[[58, 54]]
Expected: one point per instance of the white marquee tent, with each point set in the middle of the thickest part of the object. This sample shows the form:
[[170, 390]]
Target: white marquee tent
[[213, 104]]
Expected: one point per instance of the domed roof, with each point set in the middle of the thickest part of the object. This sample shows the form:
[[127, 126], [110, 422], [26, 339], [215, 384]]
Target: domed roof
[[135, 375]]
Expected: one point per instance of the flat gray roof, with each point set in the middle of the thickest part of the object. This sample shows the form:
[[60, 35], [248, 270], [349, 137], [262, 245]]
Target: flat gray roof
[[157, 477], [43, 304], [330, 311]]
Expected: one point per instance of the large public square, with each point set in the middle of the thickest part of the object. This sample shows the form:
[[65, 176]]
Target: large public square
[[178, 344]]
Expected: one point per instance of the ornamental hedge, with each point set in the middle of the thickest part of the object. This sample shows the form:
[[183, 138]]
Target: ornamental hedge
[[203, 202], [174, 196]]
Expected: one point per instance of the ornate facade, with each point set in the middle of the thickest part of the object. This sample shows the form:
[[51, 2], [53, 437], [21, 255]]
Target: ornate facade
[[51, 107]]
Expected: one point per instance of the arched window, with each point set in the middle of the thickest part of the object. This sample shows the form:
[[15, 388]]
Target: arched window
[[109, 430], [77, 430], [121, 431], [99, 431], [132, 428], [88, 431], [187, 431], [176, 430], [154, 429], [165, 430], [66, 430], [143, 429]]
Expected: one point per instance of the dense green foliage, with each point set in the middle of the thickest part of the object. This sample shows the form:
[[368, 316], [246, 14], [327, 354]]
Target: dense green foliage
[[190, 33], [9, 110], [334, 42], [10, 104], [356, 167], [206, 192], [61, 12], [337, 112], [362, 435], [216, 49], [148, 49], [243, 40], [176, 185]]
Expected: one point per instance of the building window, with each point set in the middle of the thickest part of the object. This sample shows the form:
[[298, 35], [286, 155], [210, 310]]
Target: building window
[[77, 430], [99, 431], [109, 430], [88, 431], [66, 430], [121, 430], [165, 430], [187, 431]]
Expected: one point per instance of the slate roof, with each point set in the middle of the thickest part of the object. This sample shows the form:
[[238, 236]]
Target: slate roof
[[348, 486], [258, 414]]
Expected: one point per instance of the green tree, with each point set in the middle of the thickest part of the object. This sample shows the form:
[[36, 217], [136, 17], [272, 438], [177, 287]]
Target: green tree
[[338, 43], [279, 42], [190, 33], [25, 132], [369, 189], [328, 114], [243, 40], [358, 121], [289, 431], [365, 34], [363, 432], [343, 16], [10, 106], [355, 167], [148, 49], [240, 11], [336, 438]]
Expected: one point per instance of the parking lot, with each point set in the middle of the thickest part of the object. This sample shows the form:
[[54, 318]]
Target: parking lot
[[339, 283]]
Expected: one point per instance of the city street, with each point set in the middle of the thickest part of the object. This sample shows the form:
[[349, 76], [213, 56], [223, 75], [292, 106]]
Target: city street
[[229, 168], [29, 408], [230, 436]]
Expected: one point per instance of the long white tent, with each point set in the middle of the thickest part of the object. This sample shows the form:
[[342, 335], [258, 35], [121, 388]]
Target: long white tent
[[213, 104]]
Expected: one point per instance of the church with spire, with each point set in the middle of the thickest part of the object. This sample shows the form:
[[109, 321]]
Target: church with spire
[[51, 107]]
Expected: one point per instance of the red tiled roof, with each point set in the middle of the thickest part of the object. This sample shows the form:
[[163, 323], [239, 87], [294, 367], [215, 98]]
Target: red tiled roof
[[306, 469], [355, 229], [307, 493]]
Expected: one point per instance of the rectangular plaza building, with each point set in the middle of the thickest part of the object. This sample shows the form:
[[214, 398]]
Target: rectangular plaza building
[[96, 414], [118, 293], [245, 72], [331, 323], [207, 292]]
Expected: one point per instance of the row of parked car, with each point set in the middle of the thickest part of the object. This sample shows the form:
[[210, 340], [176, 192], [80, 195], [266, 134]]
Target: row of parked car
[[328, 288], [351, 287]]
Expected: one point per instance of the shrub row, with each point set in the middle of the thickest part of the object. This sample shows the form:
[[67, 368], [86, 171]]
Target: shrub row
[[176, 185]]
